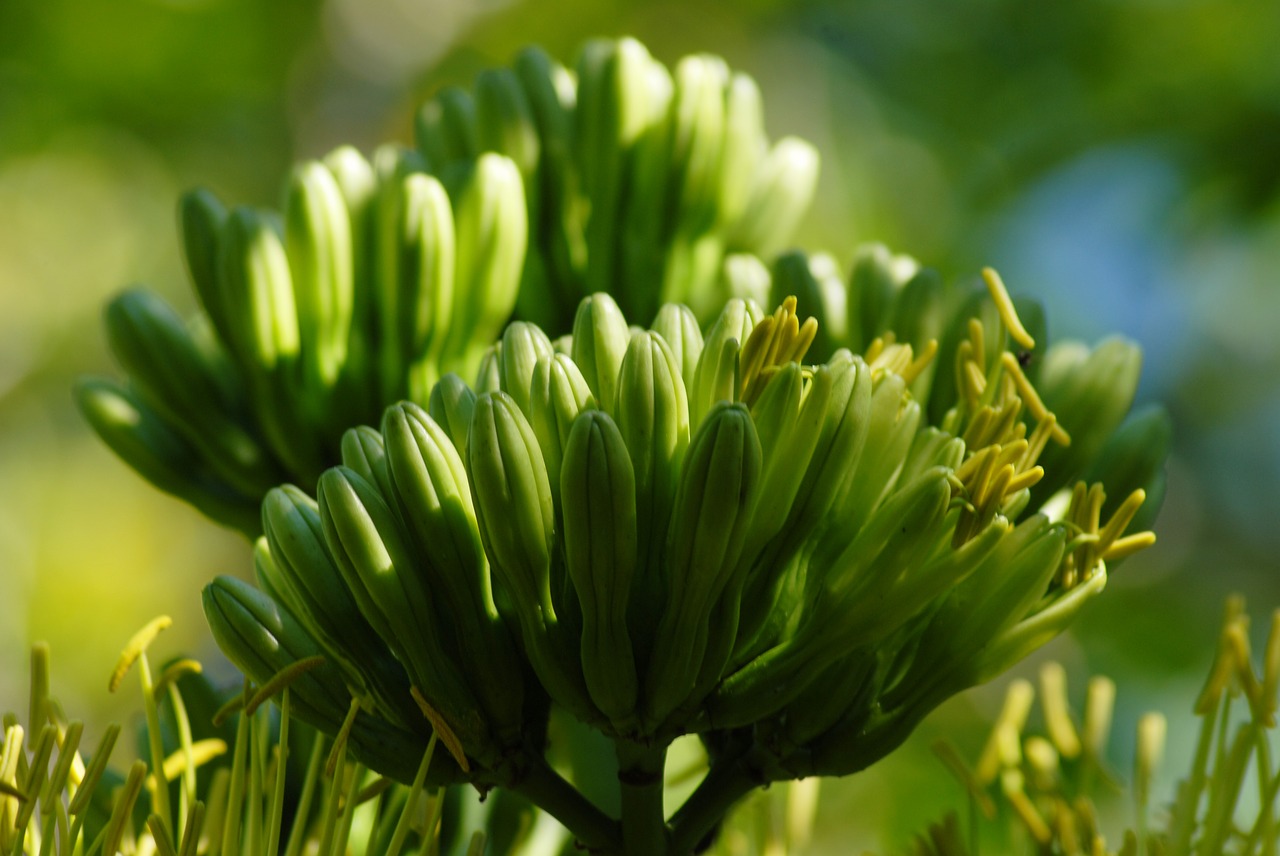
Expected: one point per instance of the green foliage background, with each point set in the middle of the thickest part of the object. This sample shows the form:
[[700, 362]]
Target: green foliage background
[[1120, 159]]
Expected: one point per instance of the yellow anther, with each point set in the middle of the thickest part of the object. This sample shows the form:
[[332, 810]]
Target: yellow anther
[[280, 680], [920, 363], [1124, 547], [876, 348], [1025, 479], [1121, 518], [202, 752], [1012, 785], [975, 383], [1005, 736], [136, 646], [1039, 439], [1057, 716], [777, 340], [1004, 305], [1031, 398], [442, 729], [978, 344]]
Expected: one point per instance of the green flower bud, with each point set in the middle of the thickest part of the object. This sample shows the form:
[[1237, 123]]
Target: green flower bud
[[873, 283], [146, 443], [744, 147], [446, 128], [318, 242], [611, 111], [550, 91], [257, 287], [893, 421], [599, 497], [600, 338], [451, 405], [698, 138], [1090, 391], [492, 231], [489, 374], [427, 278], [819, 293], [679, 329], [369, 549], [713, 508], [653, 419], [261, 638], [517, 526], [716, 377], [202, 219], [559, 393], [742, 275], [505, 124], [178, 380], [364, 451], [430, 490], [302, 576], [780, 196], [523, 345]]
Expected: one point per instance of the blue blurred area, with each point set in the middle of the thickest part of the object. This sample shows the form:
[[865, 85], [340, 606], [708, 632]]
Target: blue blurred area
[[1120, 161]]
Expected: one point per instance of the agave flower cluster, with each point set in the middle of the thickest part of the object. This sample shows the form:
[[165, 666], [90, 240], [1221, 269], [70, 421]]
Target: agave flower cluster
[[792, 539], [528, 192], [664, 533]]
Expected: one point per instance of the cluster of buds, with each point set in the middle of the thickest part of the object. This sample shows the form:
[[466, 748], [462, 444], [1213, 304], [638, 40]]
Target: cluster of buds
[[388, 273], [644, 182], [665, 533], [384, 278], [791, 539]]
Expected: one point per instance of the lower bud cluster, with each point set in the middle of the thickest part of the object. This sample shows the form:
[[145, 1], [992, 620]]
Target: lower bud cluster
[[664, 533]]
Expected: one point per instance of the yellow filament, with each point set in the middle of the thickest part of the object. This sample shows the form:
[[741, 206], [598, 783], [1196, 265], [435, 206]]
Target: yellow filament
[[202, 752], [1004, 305], [1122, 517], [1035, 406], [134, 649], [438, 724], [777, 340], [1124, 547], [978, 344], [280, 680], [920, 363]]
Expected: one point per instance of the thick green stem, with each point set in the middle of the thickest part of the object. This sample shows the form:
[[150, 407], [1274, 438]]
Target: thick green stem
[[546, 789], [640, 776], [725, 784]]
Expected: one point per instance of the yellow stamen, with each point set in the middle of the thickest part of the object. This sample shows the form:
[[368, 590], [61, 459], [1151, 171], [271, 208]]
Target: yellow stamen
[[1004, 305], [136, 646], [1035, 406], [340, 739], [202, 752], [1026, 479], [978, 342], [1122, 517], [920, 363], [441, 727], [280, 680], [1124, 547]]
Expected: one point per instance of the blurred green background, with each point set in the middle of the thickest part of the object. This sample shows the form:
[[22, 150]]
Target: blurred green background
[[1118, 160]]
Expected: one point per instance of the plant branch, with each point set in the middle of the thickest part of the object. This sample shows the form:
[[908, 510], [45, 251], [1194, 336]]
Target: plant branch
[[727, 782], [548, 790]]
